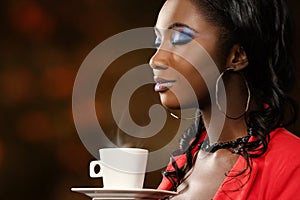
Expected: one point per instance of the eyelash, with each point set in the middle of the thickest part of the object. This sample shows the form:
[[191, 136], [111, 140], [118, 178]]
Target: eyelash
[[179, 37], [157, 42]]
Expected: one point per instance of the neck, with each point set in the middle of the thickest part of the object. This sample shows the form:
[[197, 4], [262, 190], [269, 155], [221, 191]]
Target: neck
[[234, 125], [218, 132]]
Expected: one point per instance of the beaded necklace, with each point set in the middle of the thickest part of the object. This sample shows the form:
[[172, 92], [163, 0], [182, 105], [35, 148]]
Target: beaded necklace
[[236, 146]]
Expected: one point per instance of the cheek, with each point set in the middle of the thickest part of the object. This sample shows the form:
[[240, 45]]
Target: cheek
[[191, 89], [200, 89], [203, 76]]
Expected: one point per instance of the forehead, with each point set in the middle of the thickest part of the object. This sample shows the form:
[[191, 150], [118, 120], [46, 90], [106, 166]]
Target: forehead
[[179, 11]]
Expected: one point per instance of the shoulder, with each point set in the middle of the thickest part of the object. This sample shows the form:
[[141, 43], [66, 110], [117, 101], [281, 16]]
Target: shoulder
[[281, 140], [283, 149], [280, 165]]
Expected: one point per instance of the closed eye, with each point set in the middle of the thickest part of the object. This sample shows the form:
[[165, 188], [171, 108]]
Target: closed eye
[[180, 38], [183, 35], [157, 42], [158, 38], [180, 34]]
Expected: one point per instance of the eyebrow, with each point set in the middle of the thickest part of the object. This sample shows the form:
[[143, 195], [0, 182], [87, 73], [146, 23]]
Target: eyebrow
[[174, 25], [177, 25], [180, 25]]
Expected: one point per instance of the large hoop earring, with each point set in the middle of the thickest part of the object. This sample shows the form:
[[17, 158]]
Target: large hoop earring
[[217, 96]]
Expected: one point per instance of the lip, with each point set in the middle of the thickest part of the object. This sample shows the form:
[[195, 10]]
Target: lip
[[162, 84]]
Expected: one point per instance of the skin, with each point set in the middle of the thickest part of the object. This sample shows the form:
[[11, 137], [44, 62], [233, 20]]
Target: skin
[[171, 61], [208, 173]]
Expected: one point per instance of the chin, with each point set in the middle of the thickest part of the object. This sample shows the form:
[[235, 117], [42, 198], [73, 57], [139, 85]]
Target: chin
[[169, 101]]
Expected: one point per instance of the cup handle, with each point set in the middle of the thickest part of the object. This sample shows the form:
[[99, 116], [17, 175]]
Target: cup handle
[[93, 164]]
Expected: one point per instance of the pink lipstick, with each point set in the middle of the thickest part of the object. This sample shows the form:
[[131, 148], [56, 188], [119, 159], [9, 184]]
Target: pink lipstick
[[162, 84]]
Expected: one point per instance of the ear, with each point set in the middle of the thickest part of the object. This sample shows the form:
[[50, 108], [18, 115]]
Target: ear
[[237, 58]]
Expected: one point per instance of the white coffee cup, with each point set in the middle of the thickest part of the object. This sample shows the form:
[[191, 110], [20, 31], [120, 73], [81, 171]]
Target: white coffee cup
[[121, 168]]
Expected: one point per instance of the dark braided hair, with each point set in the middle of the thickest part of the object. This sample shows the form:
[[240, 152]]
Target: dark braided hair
[[263, 28]]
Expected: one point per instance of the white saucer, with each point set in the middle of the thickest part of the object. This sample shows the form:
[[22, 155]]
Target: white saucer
[[103, 193]]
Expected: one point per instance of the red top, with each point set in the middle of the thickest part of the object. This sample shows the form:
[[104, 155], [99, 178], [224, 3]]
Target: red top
[[274, 175]]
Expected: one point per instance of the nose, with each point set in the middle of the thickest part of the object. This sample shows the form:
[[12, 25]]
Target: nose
[[159, 60]]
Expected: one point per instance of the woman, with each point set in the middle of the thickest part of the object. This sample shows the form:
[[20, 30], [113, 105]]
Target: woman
[[253, 156]]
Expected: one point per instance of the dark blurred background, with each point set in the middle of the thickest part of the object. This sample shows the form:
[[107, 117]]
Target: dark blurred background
[[42, 45]]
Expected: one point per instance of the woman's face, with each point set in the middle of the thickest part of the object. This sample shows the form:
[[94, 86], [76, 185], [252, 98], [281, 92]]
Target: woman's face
[[179, 26]]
